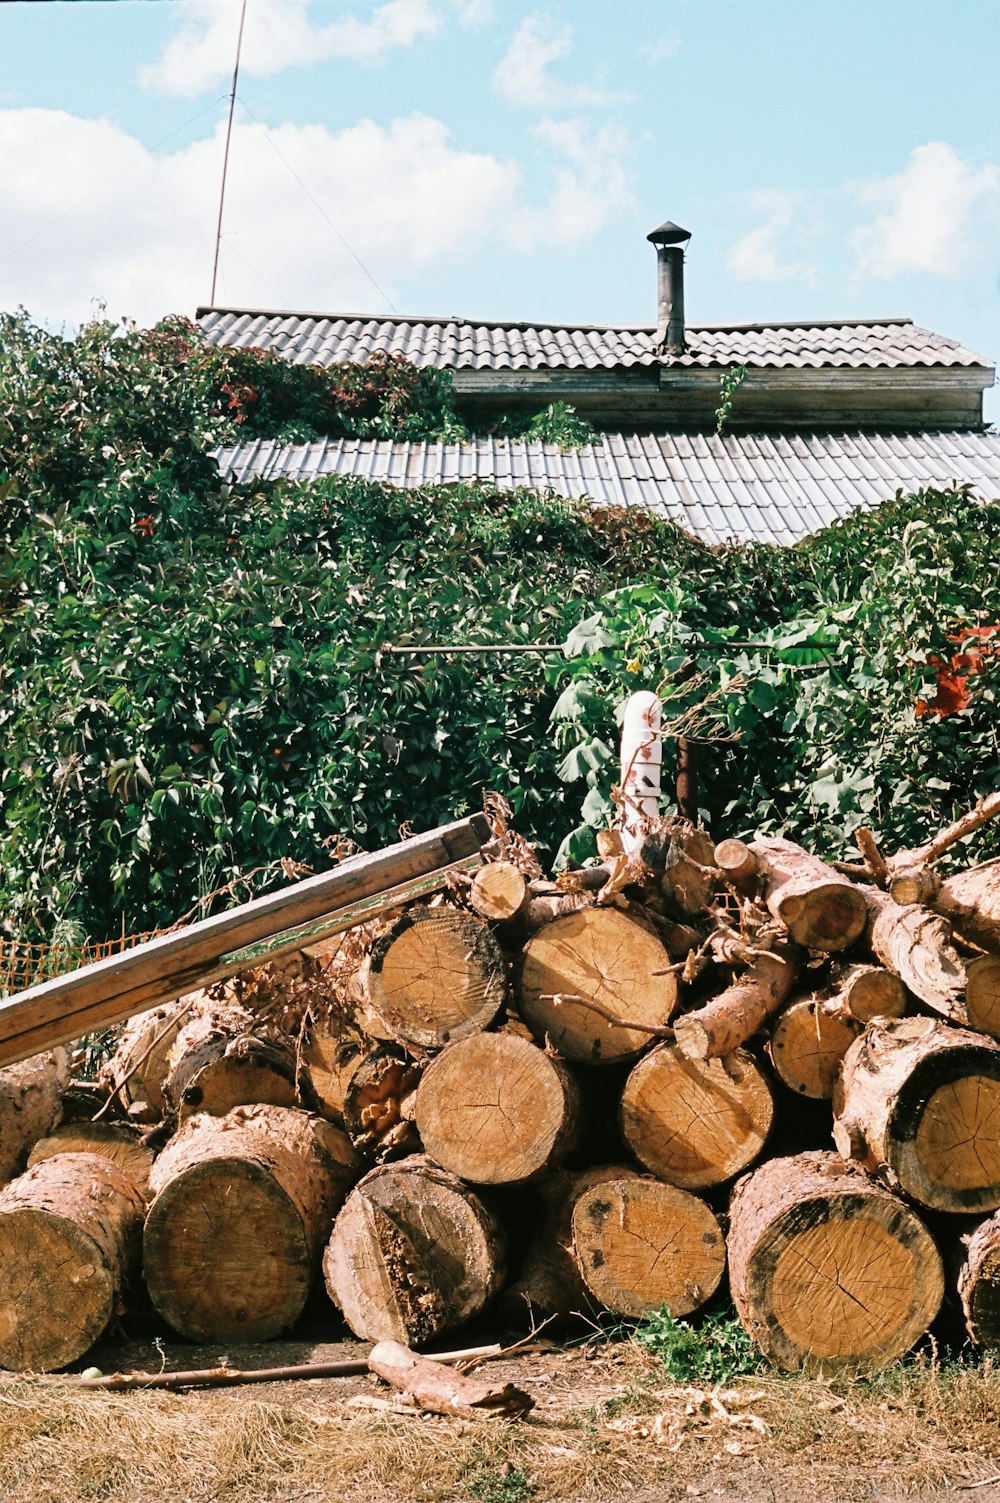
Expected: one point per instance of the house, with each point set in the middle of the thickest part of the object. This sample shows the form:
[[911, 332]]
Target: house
[[824, 417]]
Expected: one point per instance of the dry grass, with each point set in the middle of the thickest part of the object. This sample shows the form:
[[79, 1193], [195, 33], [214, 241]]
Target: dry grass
[[920, 1432]]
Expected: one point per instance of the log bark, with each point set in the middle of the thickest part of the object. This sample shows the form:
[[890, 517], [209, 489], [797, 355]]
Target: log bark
[[982, 994], [689, 875], [599, 956], [641, 1244], [428, 1384], [723, 1024], [118, 1142], [696, 1123], [809, 1041], [979, 1283], [69, 1238], [970, 900], [378, 1105], [223, 1059], [865, 991], [30, 1106], [917, 946], [549, 1284], [737, 863], [497, 1110], [138, 1069], [819, 907], [499, 891], [828, 1269], [243, 1204], [437, 974], [413, 1253], [918, 1104]]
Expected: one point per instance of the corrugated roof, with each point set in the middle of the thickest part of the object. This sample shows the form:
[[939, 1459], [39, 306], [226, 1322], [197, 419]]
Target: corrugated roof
[[741, 487], [465, 344]]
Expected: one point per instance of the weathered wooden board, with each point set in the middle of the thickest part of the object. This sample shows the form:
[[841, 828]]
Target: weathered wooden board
[[62, 1009]]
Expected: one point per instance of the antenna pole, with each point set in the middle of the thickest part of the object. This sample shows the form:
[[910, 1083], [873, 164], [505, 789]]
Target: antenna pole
[[225, 159]]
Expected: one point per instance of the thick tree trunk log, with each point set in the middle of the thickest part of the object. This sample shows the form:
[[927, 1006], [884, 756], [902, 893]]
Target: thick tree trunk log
[[641, 1244], [139, 1066], [378, 1105], [497, 1110], [243, 1206], [223, 1059], [414, 1253], [809, 1040], [916, 945], [584, 965], [118, 1142], [979, 1283], [724, 1023], [499, 891], [692, 1122], [69, 1236], [819, 907], [827, 1269], [30, 1106], [865, 991], [970, 900], [428, 1384], [982, 994], [549, 1283], [918, 1104], [435, 975]]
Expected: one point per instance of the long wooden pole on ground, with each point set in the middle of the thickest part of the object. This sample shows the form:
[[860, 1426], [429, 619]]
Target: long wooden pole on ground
[[280, 923]]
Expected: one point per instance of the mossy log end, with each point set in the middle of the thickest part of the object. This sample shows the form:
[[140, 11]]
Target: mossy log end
[[828, 1269]]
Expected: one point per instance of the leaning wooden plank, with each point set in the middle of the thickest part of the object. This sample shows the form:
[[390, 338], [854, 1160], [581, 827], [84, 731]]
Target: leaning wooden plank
[[66, 1007]]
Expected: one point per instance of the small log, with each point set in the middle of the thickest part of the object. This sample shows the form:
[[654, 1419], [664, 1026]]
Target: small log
[[69, 1238], [737, 863], [599, 956], [827, 1269], [820, 908], [865, 991], [139, 1066], [979, 1283], [223, 1059], [119, 1142], [641, 1244], [970, 900], [328, 1060], [243, 1206], [435, 975], [723, 1024], [497, 1110], [918, 1104], [982, 994], [924, 855], [378, 1103], [499, 891], [809, 1040], [413, 1253], [30, 1105], [917, 946], [549, 1284], [914, 884], [429, 1384], [696, 1122], [689, 874]]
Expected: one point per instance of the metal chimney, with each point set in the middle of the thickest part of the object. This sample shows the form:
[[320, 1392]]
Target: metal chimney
[[670, 241]]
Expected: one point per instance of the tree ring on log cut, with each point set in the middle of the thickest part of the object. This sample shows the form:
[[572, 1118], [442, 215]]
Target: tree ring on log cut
[[437, 974], [807, 1045], [641, 1244], [495, 1109], [603, 956], [944, 1131], [693, 1122], [982, 994], [226, 1256]]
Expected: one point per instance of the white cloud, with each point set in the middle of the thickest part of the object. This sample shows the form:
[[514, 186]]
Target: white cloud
[[788, 224], [659, 50], [938, 215], [140, 225], [522, 76], [474, 12], [279, 34]]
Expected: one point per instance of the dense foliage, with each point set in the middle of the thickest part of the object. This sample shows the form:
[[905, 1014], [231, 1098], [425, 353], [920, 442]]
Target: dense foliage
[[196, 679]]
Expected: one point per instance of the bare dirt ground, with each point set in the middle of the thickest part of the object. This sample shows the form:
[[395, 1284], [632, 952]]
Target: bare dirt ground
[[608, 1424]]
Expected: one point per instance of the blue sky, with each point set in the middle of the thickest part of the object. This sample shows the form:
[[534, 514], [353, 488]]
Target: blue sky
[[505, 158]]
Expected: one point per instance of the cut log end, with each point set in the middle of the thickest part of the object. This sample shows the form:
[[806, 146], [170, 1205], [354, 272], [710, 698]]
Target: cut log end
[[982, 994], [499, 891], [807, 1045], [437, 975], [641, 1244], [696, 1123]]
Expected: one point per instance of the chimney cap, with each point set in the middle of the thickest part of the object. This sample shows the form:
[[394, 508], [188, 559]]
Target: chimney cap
[[669, 233]]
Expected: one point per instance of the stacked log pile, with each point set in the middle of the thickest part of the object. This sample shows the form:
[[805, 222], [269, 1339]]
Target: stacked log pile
[[606, 1092]]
